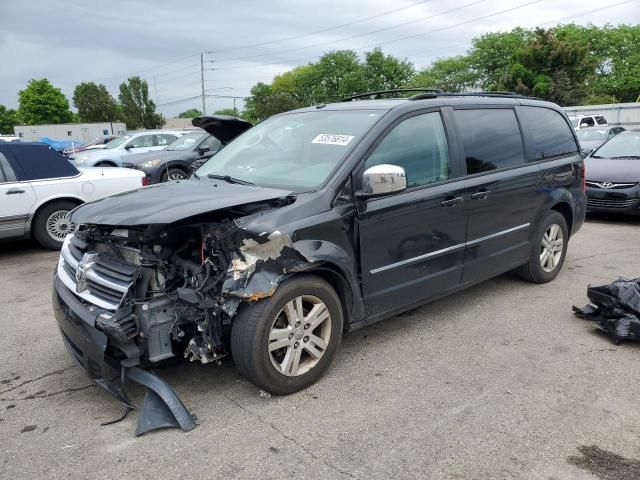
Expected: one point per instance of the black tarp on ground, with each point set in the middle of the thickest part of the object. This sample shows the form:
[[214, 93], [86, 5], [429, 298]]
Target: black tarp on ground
[[615, 308]]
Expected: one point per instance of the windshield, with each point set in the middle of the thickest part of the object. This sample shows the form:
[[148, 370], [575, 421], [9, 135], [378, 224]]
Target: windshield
[[625, 145], [296, 151], [574, 121], [116, 142], [591, 135], [186, 142]]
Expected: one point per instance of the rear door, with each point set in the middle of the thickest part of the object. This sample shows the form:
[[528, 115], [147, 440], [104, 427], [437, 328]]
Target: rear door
[[412, 243], [503, 192], [16, 200]]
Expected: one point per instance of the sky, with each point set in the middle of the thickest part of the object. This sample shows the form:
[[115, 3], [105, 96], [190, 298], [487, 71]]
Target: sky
[[247, 41]]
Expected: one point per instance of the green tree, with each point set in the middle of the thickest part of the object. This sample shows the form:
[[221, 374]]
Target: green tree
[[492, 54], [263, 102], [8, 120], [94, 103], [138, 109], [227, 111], [552, 67], [191, 113], [386, 72], [455, 74], [40, 102]]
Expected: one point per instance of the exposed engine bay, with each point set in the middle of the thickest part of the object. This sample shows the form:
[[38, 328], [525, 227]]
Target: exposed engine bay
[[171, 290]]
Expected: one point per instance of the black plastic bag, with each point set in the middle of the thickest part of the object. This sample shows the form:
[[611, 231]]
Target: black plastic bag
[[615, 308]]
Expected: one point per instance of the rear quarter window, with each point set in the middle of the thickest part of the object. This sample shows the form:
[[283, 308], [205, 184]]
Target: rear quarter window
[[39, 162], [491, 138], [551, 136], [6, 172], [601, 120]]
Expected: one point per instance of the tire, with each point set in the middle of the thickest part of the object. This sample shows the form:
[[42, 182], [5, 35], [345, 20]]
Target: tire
[[49, 227], [253, 350], [535, 270], [173, 174], [104, 164]]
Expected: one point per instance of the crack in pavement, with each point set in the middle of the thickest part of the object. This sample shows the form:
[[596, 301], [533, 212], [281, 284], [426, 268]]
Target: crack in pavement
[[603, 253], [26, 382], [46, 395], [289, 438]]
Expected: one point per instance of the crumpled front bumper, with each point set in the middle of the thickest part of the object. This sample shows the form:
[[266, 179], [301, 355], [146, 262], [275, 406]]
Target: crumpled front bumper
[[88, 347], [85, 343]]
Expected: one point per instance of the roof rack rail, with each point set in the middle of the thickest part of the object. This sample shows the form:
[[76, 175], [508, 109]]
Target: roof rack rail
[[497, 94], [431, 91]]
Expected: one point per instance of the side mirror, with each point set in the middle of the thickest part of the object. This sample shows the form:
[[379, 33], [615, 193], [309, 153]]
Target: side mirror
[[128, 147], [383, 180], [203, 150]]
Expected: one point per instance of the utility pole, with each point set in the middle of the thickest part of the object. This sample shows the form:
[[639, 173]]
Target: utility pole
[[204, 107]]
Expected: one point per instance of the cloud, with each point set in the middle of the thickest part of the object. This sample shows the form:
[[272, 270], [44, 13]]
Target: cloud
[[74, 40]]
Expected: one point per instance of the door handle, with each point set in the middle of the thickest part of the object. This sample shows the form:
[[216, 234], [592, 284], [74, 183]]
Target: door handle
[[14, 191], [481, 194], [451, 201]]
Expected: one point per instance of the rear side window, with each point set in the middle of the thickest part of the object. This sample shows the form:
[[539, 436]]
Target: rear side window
[[419, 145], [550, 134], [39, 162], [491, 139], [6, 172], [601, 120]]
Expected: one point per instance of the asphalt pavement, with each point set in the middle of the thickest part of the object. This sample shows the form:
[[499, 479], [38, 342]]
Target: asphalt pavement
[[498, 382]]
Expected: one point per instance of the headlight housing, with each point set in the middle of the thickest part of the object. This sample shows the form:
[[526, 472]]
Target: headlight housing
[[150, 163], [79, 159]]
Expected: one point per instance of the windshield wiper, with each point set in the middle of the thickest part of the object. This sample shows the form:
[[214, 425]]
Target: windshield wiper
[[195, 175], [229, 179], [626, 156]]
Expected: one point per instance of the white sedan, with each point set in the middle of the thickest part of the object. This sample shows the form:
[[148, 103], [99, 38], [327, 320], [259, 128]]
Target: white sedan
[[38, 188]]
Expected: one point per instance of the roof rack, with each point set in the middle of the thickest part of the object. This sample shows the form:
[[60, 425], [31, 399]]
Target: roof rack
[[426, 93], [431, 91]]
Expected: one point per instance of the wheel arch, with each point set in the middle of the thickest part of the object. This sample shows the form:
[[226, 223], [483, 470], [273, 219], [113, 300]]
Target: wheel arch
[[38, 208], [105, 163], [565, 209]]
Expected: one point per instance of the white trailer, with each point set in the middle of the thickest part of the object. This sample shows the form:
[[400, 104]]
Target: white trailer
[[81, 132], [626, 115]]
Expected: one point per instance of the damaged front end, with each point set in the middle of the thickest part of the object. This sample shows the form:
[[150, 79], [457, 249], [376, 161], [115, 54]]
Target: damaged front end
[[130, 297]]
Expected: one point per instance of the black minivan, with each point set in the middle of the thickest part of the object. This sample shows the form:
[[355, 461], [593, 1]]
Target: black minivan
[[316, 222]]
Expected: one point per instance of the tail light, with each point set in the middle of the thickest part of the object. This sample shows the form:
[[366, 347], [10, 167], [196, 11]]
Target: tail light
[[145, 181], [584, 177]]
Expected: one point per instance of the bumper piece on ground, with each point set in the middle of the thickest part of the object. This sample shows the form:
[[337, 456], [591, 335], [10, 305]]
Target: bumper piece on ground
[[162, 408]]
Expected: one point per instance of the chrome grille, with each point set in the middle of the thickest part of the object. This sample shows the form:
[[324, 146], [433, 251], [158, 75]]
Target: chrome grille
[[609, 185], [610, 202], [96, 276]]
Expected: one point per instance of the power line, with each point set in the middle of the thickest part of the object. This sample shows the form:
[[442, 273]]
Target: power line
[[351, 37], [335, 27], [234, 67]]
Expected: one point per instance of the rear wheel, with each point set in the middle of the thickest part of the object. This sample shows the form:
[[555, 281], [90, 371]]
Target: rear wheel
[[548, 250], [51, 224], [286, 342], [173, 174]]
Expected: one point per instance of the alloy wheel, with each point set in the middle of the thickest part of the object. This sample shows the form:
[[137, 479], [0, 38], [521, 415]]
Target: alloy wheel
[[58, 225], [176, 176], [551, 248], [299, 335]]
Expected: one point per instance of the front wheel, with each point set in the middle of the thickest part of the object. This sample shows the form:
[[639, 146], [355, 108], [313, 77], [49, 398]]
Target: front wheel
[[286, 342], [173, 174], [548, 250]]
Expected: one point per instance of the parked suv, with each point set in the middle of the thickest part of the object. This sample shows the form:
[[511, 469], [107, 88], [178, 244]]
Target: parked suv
[[174, 162], [588, 121], [316, 222], [114, 152]]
